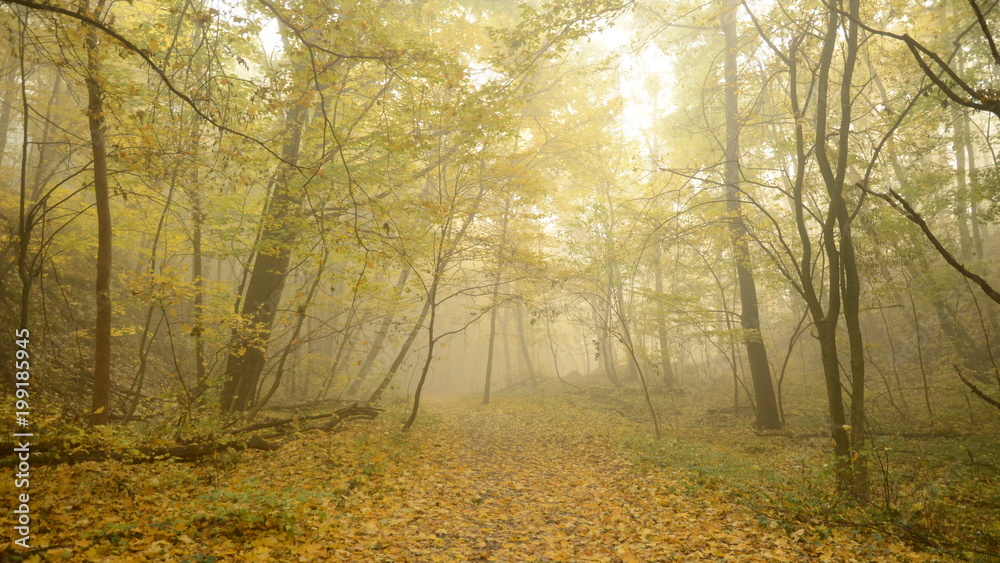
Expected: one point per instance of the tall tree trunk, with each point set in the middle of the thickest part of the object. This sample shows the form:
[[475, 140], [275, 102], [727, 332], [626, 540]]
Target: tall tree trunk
[[508, 364], [827, 333], [768, 416], [852, 281], [199, 297], [970, 150], [267, 279], [101, 403], [825, 321], [24, 223], [920, 355], [604, 348], [493, 310], [852, 321]]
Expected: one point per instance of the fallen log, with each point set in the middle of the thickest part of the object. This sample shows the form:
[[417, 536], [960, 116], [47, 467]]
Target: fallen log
[[348, 413], [275, 423], [42, 454], [188, 452]]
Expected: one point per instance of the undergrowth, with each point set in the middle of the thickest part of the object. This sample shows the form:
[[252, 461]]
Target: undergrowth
[[939, 491]]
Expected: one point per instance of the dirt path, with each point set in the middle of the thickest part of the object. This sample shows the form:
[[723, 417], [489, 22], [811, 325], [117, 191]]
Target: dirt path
[[497, 487], [516, 481]]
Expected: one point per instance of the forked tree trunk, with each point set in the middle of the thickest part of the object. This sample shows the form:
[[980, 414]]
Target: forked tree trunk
[[43, 151], [826, 320], [840, 250]]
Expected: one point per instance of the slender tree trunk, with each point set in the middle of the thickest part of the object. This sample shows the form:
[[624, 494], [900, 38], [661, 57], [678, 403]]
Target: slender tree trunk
[[148, 337], [626, 340], [768, 416], [920, 356], [43, 149], [827, 332], [493, 310], [431, 341], [824, 321], [961, 204], [554, 349], [977, 235], [523, 342], [380, 336], [401, 355], [492, 342], [24, 222], [9, 95], [604, 348], [666, 370], [852, 281], [841, 261], [852, 321], [508, 364], [199, 297], [101, 403]]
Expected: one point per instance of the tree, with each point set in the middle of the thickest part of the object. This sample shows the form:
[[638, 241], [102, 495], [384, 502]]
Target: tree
[[267, 278], [768, 416], [101, 403], [975, 93], [840, 283]]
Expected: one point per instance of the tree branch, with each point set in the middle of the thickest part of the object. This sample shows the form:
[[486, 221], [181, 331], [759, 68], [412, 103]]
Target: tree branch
[[147, 58], [915, 217], [976, 390], [986, 30]]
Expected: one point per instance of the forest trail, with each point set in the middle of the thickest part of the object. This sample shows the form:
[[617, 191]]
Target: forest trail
[[508, 489], [500, 484], [515, 481]]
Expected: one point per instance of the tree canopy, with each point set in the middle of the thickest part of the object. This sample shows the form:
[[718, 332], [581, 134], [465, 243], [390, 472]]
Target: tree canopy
[[214, 210]]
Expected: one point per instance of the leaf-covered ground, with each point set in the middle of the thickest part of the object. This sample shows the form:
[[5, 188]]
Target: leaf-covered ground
[[513, 481]]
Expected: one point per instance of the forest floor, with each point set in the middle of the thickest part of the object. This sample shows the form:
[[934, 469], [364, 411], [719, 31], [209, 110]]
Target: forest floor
[[536, 480]]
